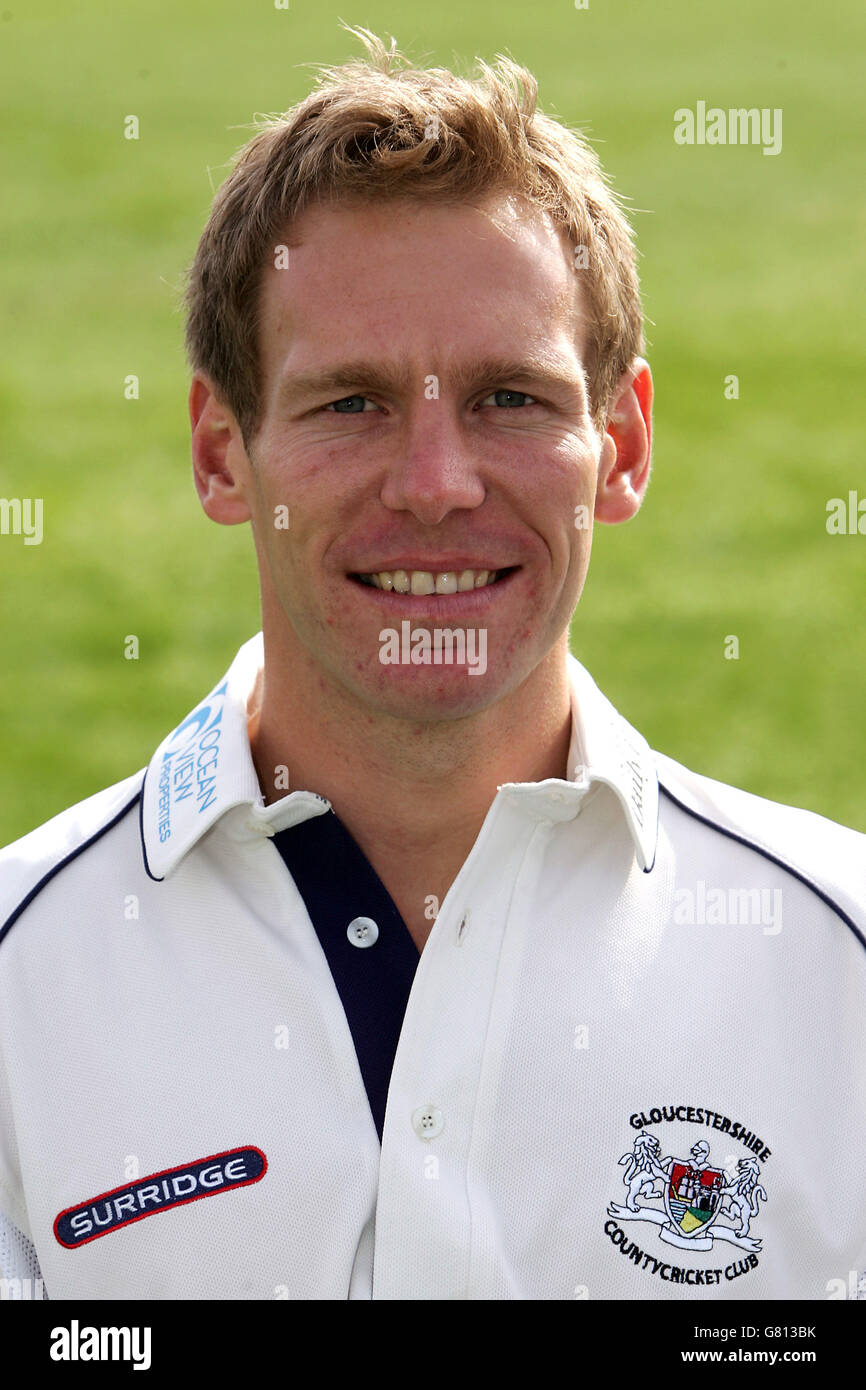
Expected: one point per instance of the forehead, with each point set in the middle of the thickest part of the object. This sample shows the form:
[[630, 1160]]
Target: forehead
[[427, 280]]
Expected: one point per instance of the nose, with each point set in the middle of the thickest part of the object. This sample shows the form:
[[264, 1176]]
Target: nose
[[434, 471]]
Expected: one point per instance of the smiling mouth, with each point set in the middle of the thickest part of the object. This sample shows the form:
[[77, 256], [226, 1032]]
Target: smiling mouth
[[423, 582]]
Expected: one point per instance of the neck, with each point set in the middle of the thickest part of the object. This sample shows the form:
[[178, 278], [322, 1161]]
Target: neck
[[416, 790]]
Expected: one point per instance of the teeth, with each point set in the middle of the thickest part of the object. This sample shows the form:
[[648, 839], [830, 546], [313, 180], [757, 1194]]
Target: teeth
[[423, 582]]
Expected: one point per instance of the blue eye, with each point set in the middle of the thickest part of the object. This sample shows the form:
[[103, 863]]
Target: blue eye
[[348, 405], [508, 398]]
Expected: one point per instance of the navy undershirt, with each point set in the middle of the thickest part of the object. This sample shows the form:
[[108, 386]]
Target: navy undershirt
[[338, 884]]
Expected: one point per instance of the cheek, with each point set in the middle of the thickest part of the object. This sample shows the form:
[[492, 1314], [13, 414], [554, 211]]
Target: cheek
[[579, 510], [316, 488], [284, 515], [567, 503], [570, 510]]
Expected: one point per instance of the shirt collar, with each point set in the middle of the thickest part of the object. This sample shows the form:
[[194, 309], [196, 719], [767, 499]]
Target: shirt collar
[[605, 748], [204, 768]]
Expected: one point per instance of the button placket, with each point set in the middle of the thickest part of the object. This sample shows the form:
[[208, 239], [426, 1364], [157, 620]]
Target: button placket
[[440, 1056]]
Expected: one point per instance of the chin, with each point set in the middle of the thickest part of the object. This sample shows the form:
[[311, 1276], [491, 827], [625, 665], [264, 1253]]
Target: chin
[[429, 693]]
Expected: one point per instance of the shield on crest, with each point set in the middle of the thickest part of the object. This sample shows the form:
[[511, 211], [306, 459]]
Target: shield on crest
[[693, 1197]]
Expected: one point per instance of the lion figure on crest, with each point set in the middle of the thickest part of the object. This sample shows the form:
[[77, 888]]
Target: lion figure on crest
[[645, 1168], [742, 1194]]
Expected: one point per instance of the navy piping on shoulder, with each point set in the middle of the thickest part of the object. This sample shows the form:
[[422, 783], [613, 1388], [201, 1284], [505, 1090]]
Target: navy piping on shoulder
[[768, 854], [649, 868], [79, 849], [141, 832]]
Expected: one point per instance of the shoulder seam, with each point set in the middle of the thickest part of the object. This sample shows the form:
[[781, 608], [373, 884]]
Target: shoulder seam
[[764, 850], [61, 864]]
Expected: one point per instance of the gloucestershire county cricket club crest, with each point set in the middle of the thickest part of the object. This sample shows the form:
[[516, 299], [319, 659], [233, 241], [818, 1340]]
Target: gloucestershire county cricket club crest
[[694, 1196]]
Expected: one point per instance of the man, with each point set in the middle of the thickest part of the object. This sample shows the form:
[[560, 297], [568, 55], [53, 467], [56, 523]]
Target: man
[[406, 969]]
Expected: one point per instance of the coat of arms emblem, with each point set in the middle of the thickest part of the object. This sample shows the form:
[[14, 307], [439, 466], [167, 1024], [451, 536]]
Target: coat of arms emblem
[[693, 1198]]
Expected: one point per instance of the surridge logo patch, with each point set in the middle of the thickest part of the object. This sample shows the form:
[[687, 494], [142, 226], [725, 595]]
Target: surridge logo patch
[[205, 1177]]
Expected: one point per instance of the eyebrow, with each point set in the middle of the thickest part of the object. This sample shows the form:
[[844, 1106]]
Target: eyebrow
[[387, 377]]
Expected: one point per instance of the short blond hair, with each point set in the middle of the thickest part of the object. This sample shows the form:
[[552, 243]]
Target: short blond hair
[[379, 128]]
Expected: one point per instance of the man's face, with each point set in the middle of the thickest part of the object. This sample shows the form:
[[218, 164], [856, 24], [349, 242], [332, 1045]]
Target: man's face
[[426, 420]]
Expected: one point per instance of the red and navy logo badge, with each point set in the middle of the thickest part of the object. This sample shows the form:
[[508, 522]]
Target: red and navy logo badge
[[174, 1187]]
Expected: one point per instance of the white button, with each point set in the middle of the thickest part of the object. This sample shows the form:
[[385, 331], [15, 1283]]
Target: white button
[[427, 1121], [362, 931]]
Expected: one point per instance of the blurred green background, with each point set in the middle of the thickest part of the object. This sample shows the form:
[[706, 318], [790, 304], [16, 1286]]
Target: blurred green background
[[751, 265]]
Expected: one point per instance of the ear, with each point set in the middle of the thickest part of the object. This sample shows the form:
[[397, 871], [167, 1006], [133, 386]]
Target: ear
[[624, 467], [221, 469]]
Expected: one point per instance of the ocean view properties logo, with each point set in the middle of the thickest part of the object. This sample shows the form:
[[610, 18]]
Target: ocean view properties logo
[[189, 767]]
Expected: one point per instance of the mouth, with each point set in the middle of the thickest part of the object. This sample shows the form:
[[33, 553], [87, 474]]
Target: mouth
[[421, 583]]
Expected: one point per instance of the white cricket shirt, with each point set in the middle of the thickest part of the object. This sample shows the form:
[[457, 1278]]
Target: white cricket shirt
[[629, 1062]]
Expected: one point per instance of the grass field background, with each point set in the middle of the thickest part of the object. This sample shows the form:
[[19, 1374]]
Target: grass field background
[[751, 265]]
